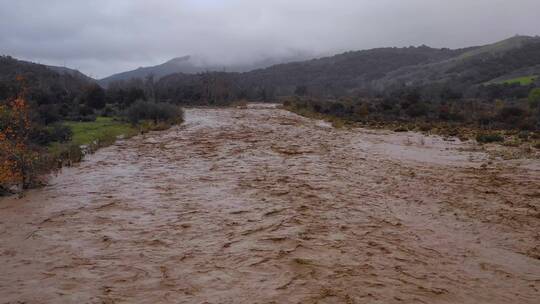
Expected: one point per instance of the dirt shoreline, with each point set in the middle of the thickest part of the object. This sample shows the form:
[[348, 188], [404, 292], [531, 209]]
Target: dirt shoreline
[[263, 206]]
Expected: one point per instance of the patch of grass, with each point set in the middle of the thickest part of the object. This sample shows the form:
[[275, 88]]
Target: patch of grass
[[85, 133], [525, 80], [94, 134]]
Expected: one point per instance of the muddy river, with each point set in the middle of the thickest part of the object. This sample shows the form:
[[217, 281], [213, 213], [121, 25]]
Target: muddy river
[[262, 206]]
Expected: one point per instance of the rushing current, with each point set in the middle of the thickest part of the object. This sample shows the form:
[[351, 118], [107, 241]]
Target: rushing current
[[260, 205]]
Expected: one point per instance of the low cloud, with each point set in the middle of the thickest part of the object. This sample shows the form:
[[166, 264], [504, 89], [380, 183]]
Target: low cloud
[[102, 37]]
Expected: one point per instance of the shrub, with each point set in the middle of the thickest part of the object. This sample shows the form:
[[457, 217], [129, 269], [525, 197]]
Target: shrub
[[524, 135], [55, 133], [401, 129], [337, 109], [425, 127], [85, 111], [417, 109], [60, 133], [511, 115], [362, 110], [69, 154], [49, 113], [94, 97], [108, 111], [526, 124], [534, 98], [40, 136], [287, 103], [489, 138], [155, 111]]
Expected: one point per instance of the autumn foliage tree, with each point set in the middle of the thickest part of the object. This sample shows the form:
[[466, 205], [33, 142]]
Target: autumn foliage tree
[[16, 155]]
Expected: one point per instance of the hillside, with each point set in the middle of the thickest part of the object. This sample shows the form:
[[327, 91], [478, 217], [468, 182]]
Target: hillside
[[40, 77], [193, 65], [511, 58], [386, 68], [176, 65], [71, 72], [345, 71], [514, 60]]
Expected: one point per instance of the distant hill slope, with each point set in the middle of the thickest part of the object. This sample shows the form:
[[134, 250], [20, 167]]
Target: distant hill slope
[[387, 67], [42, 77], [349, 70], [191, 65], [501, 47], [514, 57], [72, 72], [176, 65]]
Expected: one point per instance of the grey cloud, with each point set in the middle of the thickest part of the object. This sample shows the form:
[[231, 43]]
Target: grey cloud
[[101, 37]]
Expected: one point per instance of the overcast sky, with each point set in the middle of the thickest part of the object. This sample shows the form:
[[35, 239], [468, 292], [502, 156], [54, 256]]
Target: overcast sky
[[101, 37]]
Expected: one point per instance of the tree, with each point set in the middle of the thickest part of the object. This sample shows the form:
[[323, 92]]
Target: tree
[[301, 90], [534, 98], [150, 87], [362, 110], [417, 109], [94, 97], [16, 156]]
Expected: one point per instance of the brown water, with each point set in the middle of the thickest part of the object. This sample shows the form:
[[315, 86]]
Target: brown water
[[263, 206]]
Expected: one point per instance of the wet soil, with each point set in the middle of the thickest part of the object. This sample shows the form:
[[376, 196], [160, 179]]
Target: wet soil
[[260, 205]]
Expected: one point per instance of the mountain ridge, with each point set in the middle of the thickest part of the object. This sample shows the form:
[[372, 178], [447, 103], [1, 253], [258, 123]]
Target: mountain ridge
[[378, 68], [190, 64], [42, 75]]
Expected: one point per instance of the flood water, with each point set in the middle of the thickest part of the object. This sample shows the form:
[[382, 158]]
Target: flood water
[[260, 205]]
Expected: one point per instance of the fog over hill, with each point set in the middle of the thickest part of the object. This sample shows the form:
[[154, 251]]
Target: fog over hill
[[385, 68], [193, 65], [104, 37], [373, 69]]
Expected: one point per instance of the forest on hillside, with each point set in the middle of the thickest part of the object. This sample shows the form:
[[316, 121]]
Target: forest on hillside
[[490, 88]]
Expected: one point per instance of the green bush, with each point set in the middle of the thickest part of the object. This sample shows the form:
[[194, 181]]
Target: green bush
[[108, 111], [71, 153], [94, 97], [55, 133], [85, 110], [511, 115], [417, 109], [489, 138], [524, 135], [287, 103], [154, 111], [60, 133], [401, 129], [534, 98]]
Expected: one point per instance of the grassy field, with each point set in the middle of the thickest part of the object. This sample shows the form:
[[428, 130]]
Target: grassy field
[[94, 134], [526, 80], [104, 128]]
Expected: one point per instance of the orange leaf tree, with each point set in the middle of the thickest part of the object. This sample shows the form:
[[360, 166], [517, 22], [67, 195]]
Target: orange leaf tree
[[16, 155]]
